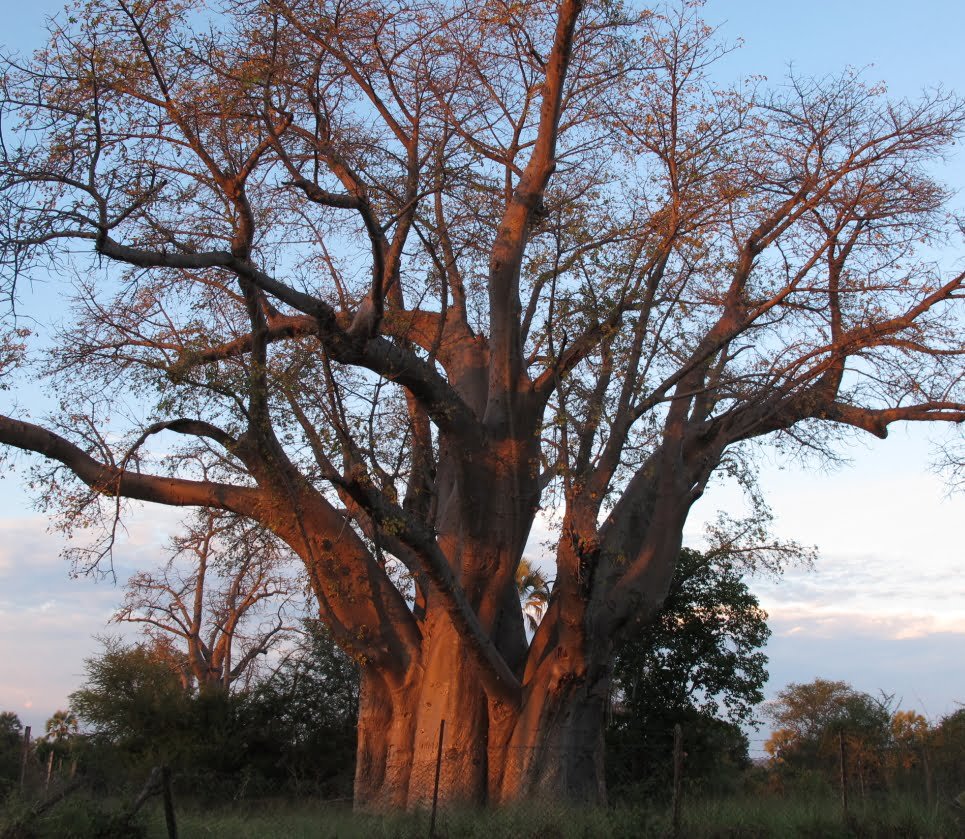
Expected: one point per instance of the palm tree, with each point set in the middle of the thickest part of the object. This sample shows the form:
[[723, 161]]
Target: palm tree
[[534, 592], [61, 726]]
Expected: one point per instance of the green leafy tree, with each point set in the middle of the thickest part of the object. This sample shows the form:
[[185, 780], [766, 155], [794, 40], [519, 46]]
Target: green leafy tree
[[61, 737], [61, 726], [134, 699], [11, 740], [130, 691], [700, 664], [294, 728], [947, 747], [301, 720]]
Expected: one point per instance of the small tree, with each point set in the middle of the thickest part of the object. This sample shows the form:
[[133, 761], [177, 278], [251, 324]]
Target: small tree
[[301, 720], [11, 750], [133, 697], [224, 598], [61, 737], [910, 733], [948, 745], [813, 719]]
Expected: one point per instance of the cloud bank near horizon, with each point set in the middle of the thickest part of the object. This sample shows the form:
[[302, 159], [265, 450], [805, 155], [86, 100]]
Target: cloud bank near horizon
[[856, 617]]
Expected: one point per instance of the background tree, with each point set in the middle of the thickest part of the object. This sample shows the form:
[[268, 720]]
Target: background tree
[[135, 698], [11, 751], [947, 751], [224, 598], [301, 720], [61, 732], [812, 719], [398, 275], [701, 664], [910, 735], [292, 728], [61, 726]]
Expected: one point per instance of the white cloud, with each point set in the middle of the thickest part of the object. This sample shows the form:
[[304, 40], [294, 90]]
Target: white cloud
[[829, 624], [48, 620]]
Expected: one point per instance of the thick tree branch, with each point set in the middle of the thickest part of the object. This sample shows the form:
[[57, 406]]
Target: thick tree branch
[[507, 252], [388, 359], [111, 481]]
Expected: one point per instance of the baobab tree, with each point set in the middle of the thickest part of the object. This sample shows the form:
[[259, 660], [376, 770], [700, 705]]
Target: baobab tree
[[401, 274], [223, 599]]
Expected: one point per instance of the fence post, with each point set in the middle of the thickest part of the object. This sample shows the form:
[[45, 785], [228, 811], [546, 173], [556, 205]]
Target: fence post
[[24, 756], [169, 818], [844, 775], [50, 771], [929, 780], [435, 791], [678, 767]]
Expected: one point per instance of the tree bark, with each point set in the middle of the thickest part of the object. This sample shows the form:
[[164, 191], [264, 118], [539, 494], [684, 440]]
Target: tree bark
[[550, 748]]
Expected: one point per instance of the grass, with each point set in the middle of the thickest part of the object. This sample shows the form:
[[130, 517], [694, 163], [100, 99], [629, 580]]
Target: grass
[[885, 817], [735, 817], [318, 821], [893, 817]]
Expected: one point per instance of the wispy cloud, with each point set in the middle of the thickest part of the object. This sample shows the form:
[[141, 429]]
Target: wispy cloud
[[897, 598], [830, 624], [48, 619]]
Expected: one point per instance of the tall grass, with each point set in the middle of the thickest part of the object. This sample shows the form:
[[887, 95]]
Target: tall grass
[[743, 817], [734, 817]]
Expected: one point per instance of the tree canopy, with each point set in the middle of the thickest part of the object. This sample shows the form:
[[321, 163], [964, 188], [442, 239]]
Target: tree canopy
[[11, 750], [387, 278], [704, 652], [291, 728], [829, 731]]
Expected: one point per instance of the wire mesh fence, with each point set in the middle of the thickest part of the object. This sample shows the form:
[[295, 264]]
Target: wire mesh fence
[[663, 772]]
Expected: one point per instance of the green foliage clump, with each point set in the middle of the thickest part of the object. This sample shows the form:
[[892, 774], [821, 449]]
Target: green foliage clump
[[815, 720], [11, 738], [301, 720], [947, 743], [699, 664], [292, 731]]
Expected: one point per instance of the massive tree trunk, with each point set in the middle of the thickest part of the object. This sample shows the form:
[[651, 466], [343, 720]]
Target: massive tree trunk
[[550, 748], [548, 742]]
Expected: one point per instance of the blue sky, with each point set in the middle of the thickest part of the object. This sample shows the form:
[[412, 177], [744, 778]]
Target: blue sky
[[884, 606]]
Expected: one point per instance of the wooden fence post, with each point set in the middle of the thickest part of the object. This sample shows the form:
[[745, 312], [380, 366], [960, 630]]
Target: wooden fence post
[[844, 775], [169, 818], [678, 767], [435, 791], [50, 771], [929, 780]]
